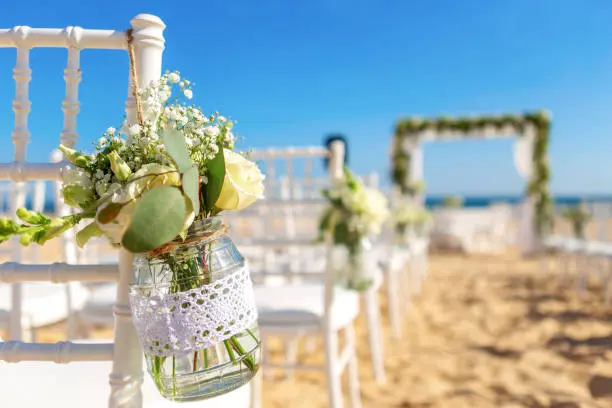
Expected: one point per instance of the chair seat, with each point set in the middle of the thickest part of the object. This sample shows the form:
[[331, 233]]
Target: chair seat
[[302, 305], [78, 385], [43, 303]]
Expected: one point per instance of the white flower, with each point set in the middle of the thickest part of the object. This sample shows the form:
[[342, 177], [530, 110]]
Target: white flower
[[212, 131], [71, 175], [111, 130], [222, 119], [99, 174], [188, 93], [134, 129], [101, 188], [173, 78], [229, 138], [102, 141]]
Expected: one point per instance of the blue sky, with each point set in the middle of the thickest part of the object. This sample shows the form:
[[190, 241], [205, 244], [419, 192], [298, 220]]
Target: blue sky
[[291, 72]]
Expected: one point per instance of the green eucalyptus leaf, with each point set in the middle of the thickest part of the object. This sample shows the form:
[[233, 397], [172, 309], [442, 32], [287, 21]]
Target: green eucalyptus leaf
[[177, 149], [216, 175], [159, 216], [191, 187]]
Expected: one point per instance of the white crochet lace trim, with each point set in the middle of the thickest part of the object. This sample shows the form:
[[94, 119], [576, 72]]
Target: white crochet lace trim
[[180, 323]]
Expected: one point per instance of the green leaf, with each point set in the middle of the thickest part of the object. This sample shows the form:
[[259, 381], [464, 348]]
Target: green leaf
[[216, 175], [191, 187], [159, 216], [91, 230], [32, 217], [109, 213], [177, 149]]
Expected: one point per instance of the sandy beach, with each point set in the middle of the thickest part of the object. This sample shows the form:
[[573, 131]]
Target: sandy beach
[[486, 331]]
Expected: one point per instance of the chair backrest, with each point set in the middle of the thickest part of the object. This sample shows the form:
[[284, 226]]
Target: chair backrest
[[292, 194], [148, 42], [292, 247]]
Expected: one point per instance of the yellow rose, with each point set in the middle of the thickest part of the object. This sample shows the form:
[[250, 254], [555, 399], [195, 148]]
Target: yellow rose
[[243, 183]]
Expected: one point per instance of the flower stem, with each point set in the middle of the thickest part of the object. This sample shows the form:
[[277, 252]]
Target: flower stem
[[230, 350], [248, 359]]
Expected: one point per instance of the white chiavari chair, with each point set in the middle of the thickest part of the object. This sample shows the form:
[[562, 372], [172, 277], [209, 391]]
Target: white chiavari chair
[[85, 381], [291, 211], [314, 305]]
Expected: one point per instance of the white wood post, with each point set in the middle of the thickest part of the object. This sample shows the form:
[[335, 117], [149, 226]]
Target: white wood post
[[126, 376]]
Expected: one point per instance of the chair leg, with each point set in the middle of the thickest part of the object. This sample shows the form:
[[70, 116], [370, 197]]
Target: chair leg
[[332, 369], [310, 344], [607, 290], [425, 264], [568, 259], [353, 377], [583, 265], [374, 334], [257, 390], [393, 304], [415, 274], [405, 286], [291, 352], [265, 358]]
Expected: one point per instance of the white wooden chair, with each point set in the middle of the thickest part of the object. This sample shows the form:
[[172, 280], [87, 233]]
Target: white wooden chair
[[79, 384], [299, 307], [291, 211]]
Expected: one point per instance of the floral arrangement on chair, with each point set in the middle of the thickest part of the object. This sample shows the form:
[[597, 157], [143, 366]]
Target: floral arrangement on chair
[[155, 188], [578, 218], [409, 217], [355, 214]]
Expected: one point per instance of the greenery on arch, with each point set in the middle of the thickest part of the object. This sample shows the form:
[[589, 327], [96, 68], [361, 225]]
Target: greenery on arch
[[537, 186]]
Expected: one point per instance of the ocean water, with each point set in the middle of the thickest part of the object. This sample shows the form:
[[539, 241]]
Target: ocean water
[[485, 201]]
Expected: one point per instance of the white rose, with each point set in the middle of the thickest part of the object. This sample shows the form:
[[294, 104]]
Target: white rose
[[212, 131], [243, 183]]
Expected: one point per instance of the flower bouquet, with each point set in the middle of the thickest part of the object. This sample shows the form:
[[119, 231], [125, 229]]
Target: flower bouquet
[[408, 220], [156, 188], [579, 219], [355, 214]]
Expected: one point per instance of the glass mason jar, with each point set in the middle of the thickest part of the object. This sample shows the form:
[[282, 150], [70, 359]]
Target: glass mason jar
[[403, 233], [358, 265], [195, 315]]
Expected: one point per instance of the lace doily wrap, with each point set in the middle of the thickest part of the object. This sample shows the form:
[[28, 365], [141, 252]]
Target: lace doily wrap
[[180, 323]]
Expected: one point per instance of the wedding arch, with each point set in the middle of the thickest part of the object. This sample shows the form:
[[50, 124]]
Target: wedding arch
[[532, 131]]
